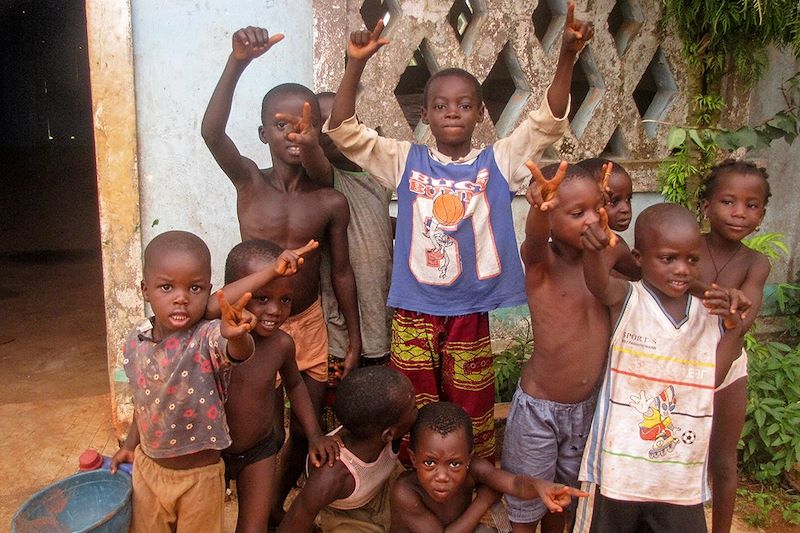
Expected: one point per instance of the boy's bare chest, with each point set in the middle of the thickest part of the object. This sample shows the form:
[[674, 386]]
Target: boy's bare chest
[[289, 219]]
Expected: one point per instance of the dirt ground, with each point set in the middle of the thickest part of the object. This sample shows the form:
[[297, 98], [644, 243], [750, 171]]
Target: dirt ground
[[55, 401]]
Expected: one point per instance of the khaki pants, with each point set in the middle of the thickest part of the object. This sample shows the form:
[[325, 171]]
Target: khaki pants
[[177, 500]]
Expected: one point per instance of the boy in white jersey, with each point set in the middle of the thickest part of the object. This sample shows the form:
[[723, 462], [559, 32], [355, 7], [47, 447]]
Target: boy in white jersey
[[648, 444]]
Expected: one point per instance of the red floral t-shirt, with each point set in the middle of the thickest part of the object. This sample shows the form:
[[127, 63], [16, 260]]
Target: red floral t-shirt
[[179, 386]]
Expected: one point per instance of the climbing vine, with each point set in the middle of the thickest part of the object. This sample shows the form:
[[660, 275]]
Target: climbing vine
[[726, 37]]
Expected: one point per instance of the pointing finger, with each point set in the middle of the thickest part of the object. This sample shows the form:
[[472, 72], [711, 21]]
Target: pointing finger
[[571, 15], [311, 245], [376, 32], [607, 169]]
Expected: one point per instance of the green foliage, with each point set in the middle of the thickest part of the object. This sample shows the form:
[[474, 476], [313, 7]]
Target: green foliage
[[508, 366], [714, 31], [771, 435], [756, 505], [770, 244]]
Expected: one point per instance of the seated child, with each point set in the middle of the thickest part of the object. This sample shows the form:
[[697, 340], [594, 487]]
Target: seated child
[[283, 205], [376, 408], [438, 495], [648, 446], [617, 187], [456, 256], [177, 364], [553, 405], [264, 269]]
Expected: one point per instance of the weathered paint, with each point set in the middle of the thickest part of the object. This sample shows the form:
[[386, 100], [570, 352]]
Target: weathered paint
[[111, 64]]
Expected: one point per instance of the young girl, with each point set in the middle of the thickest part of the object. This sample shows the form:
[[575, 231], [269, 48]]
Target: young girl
[[734, 199]]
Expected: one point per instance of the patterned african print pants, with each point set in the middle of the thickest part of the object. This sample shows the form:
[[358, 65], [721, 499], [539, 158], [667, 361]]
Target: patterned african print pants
[[449, 358]]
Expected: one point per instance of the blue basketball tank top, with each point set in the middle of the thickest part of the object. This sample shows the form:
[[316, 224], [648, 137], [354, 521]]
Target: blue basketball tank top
[[455, 248]]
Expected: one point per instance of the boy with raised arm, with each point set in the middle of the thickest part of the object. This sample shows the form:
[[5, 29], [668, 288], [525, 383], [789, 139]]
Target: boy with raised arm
[[554, 401], [264, 269], [455, 249], [283, 205], [648, 446]]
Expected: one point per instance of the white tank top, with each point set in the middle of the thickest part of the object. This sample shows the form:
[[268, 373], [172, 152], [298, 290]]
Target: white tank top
[[650, 433]]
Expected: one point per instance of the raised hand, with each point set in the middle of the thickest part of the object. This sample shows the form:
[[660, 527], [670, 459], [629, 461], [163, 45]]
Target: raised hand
[[607, 169], [542, 192], [251, 42], [236, 320], [303, 130], [612, 237], [290, 261], [364, 43], [576, 32]]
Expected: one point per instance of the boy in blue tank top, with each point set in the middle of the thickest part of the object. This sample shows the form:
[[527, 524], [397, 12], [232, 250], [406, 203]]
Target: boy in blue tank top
[[455, 255]]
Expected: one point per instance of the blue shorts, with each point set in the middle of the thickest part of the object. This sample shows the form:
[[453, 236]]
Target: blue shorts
[[544, 439]]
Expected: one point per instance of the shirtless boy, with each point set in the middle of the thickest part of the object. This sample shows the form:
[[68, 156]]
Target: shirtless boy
[[263, 269], [554, 402], [282, 205]]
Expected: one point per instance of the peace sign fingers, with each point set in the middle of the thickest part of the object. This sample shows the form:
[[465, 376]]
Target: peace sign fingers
[[612, 237], [235, 320], [607, 170]]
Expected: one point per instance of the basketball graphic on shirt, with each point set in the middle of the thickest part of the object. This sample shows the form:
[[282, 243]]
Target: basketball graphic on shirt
[[447, 209]]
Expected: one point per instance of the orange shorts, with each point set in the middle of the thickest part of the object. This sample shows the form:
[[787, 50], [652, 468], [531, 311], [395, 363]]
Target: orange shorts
[[310, 334]]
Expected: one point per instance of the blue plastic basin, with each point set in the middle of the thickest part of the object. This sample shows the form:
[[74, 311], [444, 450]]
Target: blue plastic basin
[[97, 501]]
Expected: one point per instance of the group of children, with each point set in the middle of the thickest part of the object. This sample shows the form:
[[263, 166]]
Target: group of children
[[636, 386]]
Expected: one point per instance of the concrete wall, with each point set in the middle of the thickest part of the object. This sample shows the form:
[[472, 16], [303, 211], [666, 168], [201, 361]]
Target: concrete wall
[[782, 162], [179, 50]]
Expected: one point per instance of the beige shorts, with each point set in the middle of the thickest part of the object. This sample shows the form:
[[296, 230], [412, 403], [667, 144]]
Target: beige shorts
[[166, 500], [310, 334]]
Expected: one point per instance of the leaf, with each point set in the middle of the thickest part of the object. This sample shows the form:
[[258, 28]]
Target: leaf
[[676, 137], [725, 140], [746, 137], [784, 122], [696, 138], [155, 223]]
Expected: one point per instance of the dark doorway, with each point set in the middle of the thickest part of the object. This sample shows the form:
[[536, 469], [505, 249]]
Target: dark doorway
[[50, 275]]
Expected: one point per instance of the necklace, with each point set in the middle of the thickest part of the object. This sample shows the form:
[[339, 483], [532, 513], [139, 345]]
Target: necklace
[[718, 271]]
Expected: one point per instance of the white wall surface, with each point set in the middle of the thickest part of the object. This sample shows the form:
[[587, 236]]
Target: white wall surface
[[180, 48]]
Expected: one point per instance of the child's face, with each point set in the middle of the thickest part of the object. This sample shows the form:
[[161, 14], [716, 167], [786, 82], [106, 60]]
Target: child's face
[[669, 259], [452, 111], [176, 284], [271, 304], [579, 205], [737, 205], [442, 462], [273, 132], [619, 202]]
